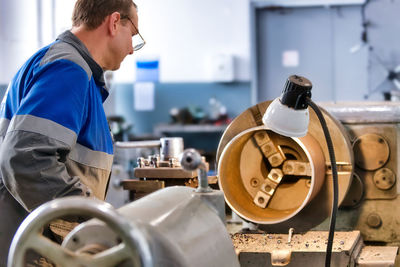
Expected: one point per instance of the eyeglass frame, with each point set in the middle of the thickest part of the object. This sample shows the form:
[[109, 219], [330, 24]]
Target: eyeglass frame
[[138, 46]]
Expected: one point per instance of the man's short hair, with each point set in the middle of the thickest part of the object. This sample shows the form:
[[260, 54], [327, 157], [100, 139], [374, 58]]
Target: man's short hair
[[92, 13]]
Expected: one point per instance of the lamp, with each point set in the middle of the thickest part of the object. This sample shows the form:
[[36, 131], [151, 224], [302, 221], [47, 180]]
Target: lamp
[[288, 115]]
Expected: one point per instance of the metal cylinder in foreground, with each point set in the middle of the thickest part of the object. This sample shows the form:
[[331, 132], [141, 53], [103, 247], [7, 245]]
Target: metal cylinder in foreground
[[174, 226], [171, 147], [256, 172], [173, 217]]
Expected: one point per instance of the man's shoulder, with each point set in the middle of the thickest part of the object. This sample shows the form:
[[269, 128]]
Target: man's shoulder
[[65, 51]]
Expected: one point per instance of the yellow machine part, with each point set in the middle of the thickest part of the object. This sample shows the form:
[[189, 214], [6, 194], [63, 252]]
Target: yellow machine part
[[254, 171]]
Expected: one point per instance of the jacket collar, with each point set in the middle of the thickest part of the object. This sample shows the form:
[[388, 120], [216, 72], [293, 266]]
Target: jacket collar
[[70, 38]]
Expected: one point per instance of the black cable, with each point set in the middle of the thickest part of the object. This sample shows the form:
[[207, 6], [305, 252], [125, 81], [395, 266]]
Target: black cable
[[334, 180], [364, 23]]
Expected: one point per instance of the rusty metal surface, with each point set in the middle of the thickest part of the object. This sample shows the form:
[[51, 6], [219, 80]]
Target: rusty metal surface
[[371, 150], [371, 256], [377, 220], [303, 250], [388, 213], [384, 178], [314, 241], [389, 133]]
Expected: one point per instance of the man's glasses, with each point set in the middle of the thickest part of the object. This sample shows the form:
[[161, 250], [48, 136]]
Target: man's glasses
[[137, 40]]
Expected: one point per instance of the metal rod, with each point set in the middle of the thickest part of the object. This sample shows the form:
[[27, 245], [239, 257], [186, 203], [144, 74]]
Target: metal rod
[[138, 144], [290, 235], [203, 180]]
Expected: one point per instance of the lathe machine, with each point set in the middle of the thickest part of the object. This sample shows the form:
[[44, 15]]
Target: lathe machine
[[280, 186]]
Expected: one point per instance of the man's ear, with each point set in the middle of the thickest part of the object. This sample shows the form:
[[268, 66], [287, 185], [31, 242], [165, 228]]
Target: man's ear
[[113, 23]]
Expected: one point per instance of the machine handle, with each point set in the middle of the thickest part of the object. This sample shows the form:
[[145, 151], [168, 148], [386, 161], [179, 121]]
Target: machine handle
[[191, 160]]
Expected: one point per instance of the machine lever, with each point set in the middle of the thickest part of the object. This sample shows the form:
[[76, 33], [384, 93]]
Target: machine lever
[[191, 160]]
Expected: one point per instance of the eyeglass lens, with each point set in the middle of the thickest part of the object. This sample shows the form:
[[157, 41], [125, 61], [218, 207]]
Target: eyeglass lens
[[137, 42]]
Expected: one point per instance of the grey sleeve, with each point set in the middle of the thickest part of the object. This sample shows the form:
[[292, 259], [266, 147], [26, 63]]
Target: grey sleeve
[[34, 171]]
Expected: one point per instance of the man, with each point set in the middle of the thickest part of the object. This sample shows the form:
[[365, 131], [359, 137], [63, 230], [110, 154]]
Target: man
[[55, 137]]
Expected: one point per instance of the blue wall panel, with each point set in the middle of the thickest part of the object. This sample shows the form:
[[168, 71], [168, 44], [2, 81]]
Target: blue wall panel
[[235, 96]]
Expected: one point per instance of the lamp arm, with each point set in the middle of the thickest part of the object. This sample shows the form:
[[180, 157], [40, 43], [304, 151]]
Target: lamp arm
[[334, 180]]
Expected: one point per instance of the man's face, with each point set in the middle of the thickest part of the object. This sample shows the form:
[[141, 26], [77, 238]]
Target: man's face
[[122, 43]]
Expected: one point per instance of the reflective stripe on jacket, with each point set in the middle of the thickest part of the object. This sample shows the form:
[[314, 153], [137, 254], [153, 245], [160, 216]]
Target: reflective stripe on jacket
[[55, 139]]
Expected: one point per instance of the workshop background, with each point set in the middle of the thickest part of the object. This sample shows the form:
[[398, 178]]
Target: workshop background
[[212, 49], [207, 61]]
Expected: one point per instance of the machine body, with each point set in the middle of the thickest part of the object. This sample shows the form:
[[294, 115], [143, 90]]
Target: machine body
[[365, 137], [279, 184]]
